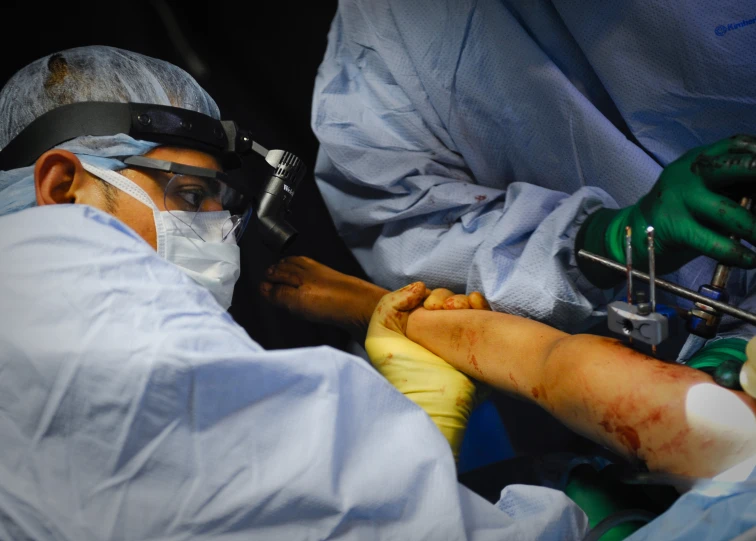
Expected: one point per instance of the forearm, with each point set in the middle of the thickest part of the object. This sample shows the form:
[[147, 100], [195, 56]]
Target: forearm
[[670, 416], [473, 342]]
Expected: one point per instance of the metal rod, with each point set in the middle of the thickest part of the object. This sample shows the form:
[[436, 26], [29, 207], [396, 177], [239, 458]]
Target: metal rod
[[680, 291], [629, 262], [651, 268]]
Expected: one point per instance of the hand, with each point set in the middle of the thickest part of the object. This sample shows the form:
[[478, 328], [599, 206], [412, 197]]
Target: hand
[[444, 393], [693, 207], [445, 299], [722, 359], [748, 371]]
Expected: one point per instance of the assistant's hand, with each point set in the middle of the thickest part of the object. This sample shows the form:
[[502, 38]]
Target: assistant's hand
[[444, 393], [748, 371], [445, 299], [694, 207], [722, 359]]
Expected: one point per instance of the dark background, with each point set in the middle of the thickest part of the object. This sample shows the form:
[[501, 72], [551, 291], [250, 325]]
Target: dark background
[[258, 60]]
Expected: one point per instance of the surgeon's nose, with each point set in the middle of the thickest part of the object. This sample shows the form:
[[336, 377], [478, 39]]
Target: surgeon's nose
[[211, 205]]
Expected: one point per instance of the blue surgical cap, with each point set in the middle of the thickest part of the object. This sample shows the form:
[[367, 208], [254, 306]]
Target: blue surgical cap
[[95, 73]]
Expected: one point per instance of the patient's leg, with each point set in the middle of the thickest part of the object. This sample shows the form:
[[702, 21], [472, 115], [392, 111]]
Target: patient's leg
[[321, 294], [674, 418]]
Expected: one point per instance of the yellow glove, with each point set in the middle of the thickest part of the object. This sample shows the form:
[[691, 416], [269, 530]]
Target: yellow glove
[[443, 392], [748, 372]]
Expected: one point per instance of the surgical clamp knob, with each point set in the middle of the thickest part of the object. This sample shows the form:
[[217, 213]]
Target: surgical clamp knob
[[704, 320]]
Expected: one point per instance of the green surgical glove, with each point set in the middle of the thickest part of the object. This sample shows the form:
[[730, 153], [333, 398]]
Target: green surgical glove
[[722, 359], [691, 211]]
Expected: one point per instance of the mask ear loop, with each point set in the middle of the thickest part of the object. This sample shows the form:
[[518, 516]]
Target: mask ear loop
[[235, 225], [126, 185]]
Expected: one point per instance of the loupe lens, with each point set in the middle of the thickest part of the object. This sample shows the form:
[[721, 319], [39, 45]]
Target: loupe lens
[[188, 196]]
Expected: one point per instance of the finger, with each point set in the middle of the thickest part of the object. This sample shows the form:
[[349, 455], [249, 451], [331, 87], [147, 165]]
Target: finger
[[751, 349], [457, 302], [281, 295], [405, 299], [478, 301], [284, 273], [725, 216], [435, 300], [298, 260], [743, 143], [727, 170], [735, 144], [720, 248]]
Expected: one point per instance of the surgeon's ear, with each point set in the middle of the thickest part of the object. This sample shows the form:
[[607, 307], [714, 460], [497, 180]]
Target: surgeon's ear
[[60, 178]]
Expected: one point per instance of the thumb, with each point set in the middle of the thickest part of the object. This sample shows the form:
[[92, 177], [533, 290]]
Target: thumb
[[405, 299], [393, 309]]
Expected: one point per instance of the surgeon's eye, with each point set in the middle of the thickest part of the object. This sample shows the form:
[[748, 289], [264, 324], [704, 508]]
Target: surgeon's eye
[[187, 193], [192, 197]]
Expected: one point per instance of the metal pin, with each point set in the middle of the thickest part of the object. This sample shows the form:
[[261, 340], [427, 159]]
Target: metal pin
[[629, 267], [651, 268], [629, 263], [651, 274]]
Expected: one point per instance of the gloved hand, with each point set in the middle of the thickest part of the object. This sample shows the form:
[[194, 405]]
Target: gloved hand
[[690, 209], [722, 359], [445, 299], [444, 393], [748, 371]]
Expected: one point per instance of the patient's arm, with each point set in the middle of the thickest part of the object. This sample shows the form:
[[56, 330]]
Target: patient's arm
[[672, 417]]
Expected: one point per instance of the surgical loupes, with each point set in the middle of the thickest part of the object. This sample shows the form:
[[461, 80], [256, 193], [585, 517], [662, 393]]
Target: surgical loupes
[[639, 321]]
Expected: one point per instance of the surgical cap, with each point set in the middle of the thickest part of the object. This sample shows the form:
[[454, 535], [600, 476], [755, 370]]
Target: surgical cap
[[95, 73]]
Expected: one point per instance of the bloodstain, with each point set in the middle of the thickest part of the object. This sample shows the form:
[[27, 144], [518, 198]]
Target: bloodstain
[[543, 392], [480, 198], [474, 362], [707, 444], [676, 444], [461, 401], [442, 390], [514, 381], [607, 426], [390, 355], [534, 392], [471, 337], [379, 310], [629, 437], [456, 337], [652, 418]]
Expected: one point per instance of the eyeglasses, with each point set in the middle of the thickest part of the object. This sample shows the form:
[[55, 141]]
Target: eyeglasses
[[190, 190]]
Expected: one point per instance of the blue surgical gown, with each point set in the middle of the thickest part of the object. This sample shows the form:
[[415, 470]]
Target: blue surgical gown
[[132, 407], [464, 142]]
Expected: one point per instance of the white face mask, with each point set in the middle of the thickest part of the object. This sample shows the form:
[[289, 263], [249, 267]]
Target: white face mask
[[211, 262]]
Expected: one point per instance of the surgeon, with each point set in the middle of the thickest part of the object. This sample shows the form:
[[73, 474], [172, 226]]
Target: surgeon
[[131, 404], [478, 145]]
